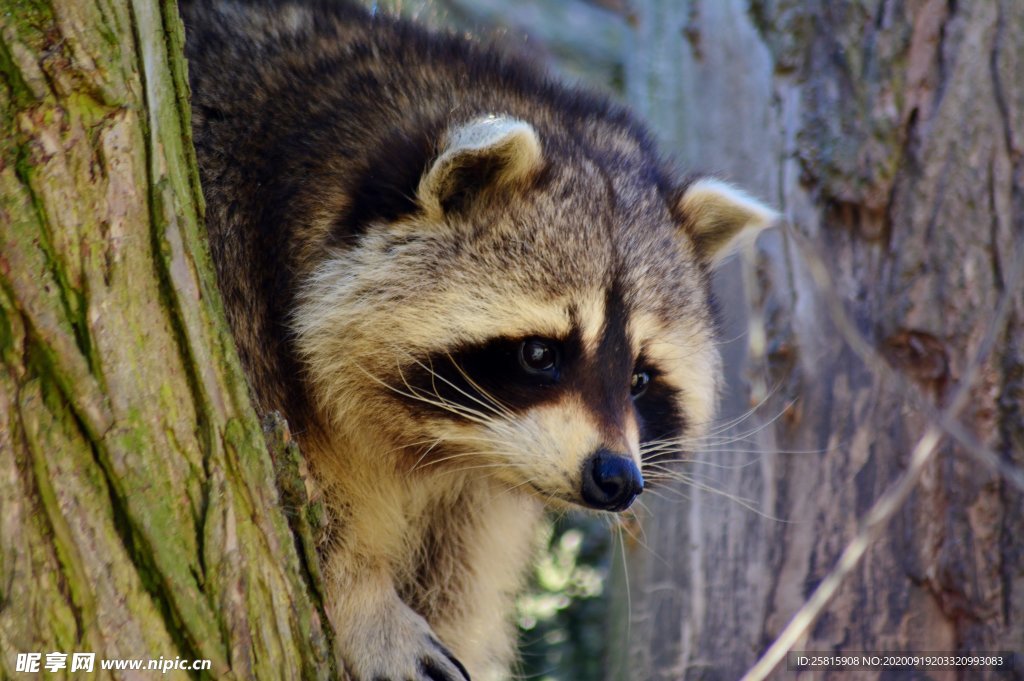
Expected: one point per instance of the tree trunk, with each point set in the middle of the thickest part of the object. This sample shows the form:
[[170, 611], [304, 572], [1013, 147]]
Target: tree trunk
[[892, 137], [139, 516]]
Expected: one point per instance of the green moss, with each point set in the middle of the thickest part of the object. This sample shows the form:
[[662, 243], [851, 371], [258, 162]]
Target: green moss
[[307, 520], [46, 420], [7, 344], [191, 461], [175, 32], [162, 543], [15, 96]]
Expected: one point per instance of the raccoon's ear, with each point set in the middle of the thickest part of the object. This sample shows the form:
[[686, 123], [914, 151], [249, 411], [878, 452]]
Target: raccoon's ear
[[487, 152], [720, 217]]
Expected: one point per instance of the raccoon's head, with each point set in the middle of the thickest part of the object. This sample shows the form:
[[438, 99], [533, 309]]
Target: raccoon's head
[[540, 316]]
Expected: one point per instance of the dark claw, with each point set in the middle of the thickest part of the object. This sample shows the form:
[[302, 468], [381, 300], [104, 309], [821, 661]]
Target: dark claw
[[432, 669], [451, 658], [433, 672], [458, 665]]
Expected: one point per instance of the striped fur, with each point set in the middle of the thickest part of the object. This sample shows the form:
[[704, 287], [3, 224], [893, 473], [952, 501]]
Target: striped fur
[[394, 214]]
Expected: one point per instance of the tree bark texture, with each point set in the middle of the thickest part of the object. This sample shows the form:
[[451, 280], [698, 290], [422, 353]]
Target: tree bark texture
[[891, 135], [139, 516]]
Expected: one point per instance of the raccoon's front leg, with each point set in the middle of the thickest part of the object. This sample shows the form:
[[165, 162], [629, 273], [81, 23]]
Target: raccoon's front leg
[[379, 637]]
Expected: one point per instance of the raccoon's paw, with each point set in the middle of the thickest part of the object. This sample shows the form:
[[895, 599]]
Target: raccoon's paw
[[400, 648]]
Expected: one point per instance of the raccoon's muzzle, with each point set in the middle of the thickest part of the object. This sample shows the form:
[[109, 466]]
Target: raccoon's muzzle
[[610, 481]]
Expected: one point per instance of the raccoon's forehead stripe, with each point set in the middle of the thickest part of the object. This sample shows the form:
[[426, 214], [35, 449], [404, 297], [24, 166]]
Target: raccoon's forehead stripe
[[605, 381]]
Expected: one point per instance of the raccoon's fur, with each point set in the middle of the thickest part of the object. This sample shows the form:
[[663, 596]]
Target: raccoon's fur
[[472, 292]]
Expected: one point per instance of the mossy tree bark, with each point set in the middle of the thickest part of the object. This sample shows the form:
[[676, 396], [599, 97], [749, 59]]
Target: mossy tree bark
[[892, 136], [139, 516]]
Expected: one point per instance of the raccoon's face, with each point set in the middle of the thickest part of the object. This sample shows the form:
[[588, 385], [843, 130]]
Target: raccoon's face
[[540, 321]]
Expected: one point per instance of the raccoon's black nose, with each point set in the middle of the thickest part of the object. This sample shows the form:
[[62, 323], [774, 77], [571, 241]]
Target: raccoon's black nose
[[610, 481]]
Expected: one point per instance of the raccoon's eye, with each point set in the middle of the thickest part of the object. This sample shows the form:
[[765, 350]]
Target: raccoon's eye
[[638, 383], [538, 356]]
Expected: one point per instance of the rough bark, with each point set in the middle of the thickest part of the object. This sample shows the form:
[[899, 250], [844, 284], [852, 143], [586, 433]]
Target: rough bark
[[138, 511], [891, 135]]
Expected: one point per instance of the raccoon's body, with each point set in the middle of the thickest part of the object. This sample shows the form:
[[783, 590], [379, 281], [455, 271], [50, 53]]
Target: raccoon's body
[[472, 292]]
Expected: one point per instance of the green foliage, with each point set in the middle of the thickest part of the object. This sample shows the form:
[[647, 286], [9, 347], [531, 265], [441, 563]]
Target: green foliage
[[563, 616]]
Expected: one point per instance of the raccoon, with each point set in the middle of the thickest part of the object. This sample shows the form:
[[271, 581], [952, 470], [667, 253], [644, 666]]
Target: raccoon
[[473, 292]]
